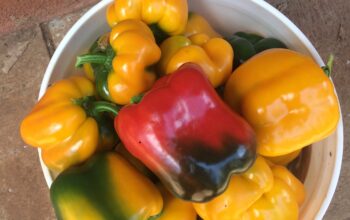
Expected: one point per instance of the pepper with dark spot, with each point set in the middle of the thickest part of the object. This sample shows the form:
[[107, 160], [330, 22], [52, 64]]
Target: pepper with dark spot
[[185, 134]]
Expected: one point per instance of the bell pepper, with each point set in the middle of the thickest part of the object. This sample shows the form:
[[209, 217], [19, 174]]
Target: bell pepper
[[197, 24], [268, 43], [105, 187], [284, 160], [186, 135], [297, 187], [120, 149], [251, 37], [265, 191], [169, 15], [289, 193], [202, 50], [247, 45], [283, 94], [67, 124], [123, 71], [242, 192], [174, 208]]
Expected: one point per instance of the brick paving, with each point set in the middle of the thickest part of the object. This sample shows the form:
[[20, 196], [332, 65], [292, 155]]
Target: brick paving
[[20, 14], [29, 35]]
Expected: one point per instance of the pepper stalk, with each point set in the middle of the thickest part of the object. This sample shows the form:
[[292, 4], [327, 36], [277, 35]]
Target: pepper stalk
[[329, 66]]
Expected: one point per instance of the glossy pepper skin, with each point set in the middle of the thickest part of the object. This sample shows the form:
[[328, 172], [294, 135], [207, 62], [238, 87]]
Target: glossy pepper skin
[[136, 49], [169, 15], [63, 128], [175, 208], [283, 95], [242, 191], [202, 50], [289, 193], [265, 191], [186, 135], [197, 24], [105, 187], [121, 70], [120, 149]]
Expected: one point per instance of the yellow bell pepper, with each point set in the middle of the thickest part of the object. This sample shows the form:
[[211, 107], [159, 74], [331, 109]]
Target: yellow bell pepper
[[64, 127], [175, 208], [264, 192], [242, 191], [169, 15], [283, 95], [121, 70], [135, 49], [284, 160], [279, 203], [298, 189], [202, 50], [197, 24], [282, 201], [89, 72]]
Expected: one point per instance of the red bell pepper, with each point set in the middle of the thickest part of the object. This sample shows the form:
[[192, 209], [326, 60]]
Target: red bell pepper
[[183, 132]]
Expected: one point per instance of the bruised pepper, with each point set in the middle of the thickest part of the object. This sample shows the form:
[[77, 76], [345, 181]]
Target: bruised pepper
[[286, 97], [214, 55], [185, 134], [122, 71], [265, 192], [68, 124], [105, 187], [169, 16]]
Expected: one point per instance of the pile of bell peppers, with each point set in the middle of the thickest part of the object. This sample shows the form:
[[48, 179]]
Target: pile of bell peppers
[[145, 134]]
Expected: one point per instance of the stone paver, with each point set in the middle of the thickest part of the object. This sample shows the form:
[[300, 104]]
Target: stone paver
[[23, 191], [23, 59], [60, 26], [54, 30], [15, 15]]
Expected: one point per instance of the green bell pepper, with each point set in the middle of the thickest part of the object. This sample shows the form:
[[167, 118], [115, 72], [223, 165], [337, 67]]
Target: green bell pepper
[[246, 45], [105, 187]]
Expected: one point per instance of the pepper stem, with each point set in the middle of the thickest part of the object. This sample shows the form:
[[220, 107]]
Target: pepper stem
[[90, 58], [328, 68], [103, 106], [93, 108]]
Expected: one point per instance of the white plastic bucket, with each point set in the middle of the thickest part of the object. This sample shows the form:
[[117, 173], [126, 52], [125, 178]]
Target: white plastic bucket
[[228, 17]]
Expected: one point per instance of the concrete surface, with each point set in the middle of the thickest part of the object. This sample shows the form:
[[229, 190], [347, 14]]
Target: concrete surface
[[24, 56]]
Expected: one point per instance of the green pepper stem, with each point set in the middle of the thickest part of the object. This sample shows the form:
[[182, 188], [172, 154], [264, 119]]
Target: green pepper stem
[[103, 106], [329, 66], [93, 108], [90, 58]]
